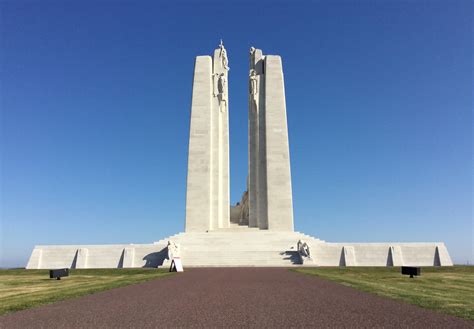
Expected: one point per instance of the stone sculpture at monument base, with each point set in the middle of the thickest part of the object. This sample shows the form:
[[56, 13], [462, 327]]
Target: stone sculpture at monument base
[[258, 231]]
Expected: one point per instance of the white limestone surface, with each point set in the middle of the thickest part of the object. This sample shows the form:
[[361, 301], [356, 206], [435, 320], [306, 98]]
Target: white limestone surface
[[207, 193], [278, 174], [97, 256], [256, 141], [270, 193], [239, 246], [199, 189]]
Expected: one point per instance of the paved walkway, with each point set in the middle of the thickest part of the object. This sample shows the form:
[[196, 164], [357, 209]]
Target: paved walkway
[[232, 297]]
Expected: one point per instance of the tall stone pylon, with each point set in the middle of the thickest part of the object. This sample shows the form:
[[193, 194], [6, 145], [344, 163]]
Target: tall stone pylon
[[270, 192], [207, 193]]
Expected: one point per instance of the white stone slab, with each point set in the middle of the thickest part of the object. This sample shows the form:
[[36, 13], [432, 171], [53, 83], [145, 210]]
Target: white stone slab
[[443, 254], [128, 257], [279, 192], [207, 194], [250, 247], [81, 258], [199, 189]]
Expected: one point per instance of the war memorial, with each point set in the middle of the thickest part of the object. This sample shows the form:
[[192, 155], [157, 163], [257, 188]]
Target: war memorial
[[259, 230]]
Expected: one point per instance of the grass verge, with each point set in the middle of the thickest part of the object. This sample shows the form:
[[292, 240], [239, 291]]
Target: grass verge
[[448, 290], [21, 289]]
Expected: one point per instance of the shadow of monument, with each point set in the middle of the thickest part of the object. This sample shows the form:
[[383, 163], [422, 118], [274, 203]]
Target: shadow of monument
[[122, 256], [156, 259], [74, 261], [342, 259], [389, 258], [292, 256]]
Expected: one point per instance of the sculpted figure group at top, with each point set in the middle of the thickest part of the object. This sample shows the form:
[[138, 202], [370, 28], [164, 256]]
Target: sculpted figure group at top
[[253, 82], [220, 79], [223, 55]]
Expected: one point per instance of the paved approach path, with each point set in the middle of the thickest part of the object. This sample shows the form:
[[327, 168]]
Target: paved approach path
[[232, 297]]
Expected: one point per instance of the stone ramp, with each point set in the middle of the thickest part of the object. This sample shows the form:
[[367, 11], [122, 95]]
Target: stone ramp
[[232, 298]]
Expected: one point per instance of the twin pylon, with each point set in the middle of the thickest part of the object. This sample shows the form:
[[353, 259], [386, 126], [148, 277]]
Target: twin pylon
[[267, 204]]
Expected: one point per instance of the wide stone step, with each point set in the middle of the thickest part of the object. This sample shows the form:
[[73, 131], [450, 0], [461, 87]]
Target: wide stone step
[[239, 247], [223, 244]]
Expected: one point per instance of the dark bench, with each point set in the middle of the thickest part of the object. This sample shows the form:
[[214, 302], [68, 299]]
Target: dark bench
[[411, 271], [59, 273]]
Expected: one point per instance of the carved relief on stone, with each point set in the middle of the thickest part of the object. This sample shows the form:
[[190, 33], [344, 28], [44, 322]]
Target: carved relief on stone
[[253, 83], [303, 250], [223, 56], [253, 88], [173, 250], [222, 85], [220, 90], [244, 208], [252, 57]]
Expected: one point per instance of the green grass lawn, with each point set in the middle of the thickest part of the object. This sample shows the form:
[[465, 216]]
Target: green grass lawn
[[449, 290], [21, 289]]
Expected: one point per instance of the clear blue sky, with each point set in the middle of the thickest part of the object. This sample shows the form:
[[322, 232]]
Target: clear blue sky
[[95, 104]]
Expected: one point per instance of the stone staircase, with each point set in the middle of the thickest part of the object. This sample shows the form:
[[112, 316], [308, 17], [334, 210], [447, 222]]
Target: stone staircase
[[239, 246]]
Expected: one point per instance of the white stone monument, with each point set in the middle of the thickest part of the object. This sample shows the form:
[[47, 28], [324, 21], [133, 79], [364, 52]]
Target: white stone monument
[[259, 230], [270, 195], [207, 193]]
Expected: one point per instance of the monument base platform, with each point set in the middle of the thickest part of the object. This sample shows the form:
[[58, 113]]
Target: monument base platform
[[240, 247]]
